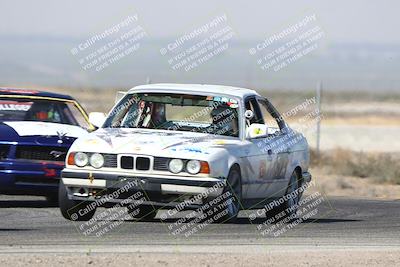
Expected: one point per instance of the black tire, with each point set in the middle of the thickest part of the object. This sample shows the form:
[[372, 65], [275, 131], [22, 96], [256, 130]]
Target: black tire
[[233, 189], [290, 206], [52, 199], [143, 212], [70, 208]]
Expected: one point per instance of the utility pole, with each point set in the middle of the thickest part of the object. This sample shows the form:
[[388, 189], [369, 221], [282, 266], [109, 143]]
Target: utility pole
[[318, 95]]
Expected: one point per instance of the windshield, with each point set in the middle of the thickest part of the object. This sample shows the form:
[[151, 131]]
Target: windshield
[[176, 112], [33, 109]]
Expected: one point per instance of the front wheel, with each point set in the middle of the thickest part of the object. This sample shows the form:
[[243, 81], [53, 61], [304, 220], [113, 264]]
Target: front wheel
[[52, 199], [227, 208], [74, 210]]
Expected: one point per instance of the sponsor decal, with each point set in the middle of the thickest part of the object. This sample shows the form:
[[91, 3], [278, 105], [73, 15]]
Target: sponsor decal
[[263, 168], [15, 106], [232, 103], [92, 142], [190, 150], [219, 142], [105, 137]]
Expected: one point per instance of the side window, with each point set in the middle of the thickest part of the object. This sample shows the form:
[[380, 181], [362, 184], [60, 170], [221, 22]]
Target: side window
[[268, 119], [252, 105]]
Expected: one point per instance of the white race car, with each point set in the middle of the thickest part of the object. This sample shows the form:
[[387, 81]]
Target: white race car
[[186, 145]]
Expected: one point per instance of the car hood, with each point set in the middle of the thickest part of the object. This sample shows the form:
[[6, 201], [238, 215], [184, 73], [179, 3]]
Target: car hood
[[152, 142], [15, 130]]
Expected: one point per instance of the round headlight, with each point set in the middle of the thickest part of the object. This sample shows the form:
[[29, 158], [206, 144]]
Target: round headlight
[[81, 159], [97, 160], [175, 165], [193, 166]]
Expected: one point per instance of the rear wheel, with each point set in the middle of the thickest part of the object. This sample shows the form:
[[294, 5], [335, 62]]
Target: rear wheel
[[290, 205], [71, 209], [143, 212]]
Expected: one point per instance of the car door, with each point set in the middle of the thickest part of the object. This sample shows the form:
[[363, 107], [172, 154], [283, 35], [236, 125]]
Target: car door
[[258, 165], [276, 149]]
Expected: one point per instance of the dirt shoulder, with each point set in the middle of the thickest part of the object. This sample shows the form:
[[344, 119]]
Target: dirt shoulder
[[274, 257], [348, 186]]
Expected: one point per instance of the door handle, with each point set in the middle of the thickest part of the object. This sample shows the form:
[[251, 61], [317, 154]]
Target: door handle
[[269, 151]]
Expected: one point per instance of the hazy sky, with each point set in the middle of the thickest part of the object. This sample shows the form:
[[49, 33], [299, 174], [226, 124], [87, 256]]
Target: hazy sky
[[344, 21]]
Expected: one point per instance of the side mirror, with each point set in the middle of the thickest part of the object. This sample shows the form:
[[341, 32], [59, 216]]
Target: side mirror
[[256, 130], [97, 118], [248, 114]]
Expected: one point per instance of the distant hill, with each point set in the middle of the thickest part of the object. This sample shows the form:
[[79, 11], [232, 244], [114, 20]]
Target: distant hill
[[46, 60]]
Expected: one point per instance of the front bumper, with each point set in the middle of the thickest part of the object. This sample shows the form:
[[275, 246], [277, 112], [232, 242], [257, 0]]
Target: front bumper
[[159, 189], [29, 177]]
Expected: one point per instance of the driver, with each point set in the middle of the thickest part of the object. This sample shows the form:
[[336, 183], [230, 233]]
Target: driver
[[223, 121]]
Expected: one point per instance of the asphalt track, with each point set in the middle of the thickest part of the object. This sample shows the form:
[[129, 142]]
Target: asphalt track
[[29, 224]]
